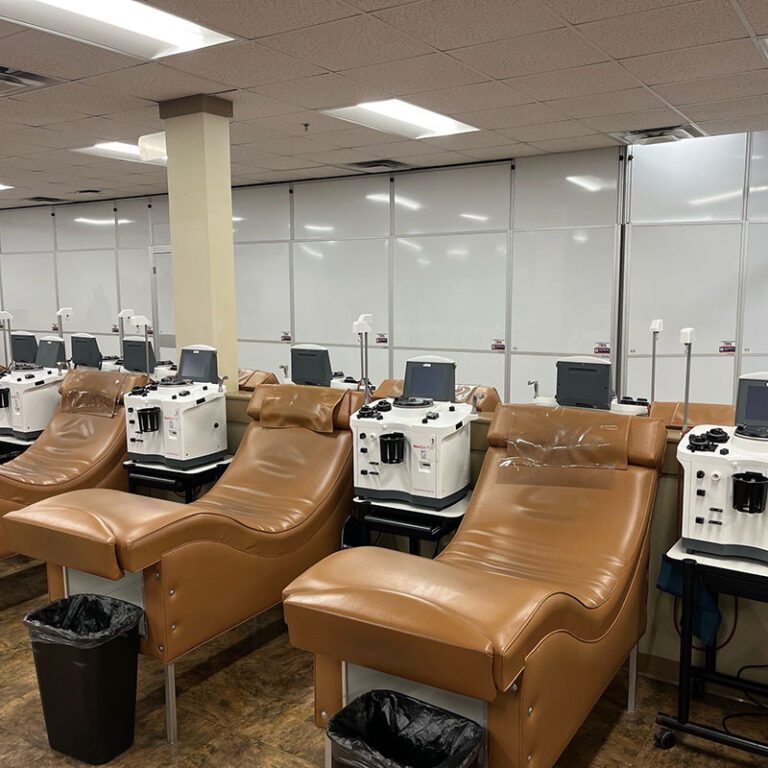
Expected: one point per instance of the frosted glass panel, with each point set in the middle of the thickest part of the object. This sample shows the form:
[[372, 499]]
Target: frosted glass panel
[[695, 180], [453, 200], [108, 343], [562, 286], [483, 368], [525, 368], [161, 228], [755, 337], [572, 189], [31, 302], [754, 363], [164, 287], [263, 356], [261, 213], [263, 292], [711, 378], [135, 280], [133, 229], [688, 276], [449, 291], [336, 282], [94, 299], [343, 208], [758, 177], [85, 226], [25, 231]]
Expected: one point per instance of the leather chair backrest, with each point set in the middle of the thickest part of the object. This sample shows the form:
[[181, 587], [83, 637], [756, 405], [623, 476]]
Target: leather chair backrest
[[320, 409], [487, 397], [671, 413], [248, 379], [624, 440], [96, 393]]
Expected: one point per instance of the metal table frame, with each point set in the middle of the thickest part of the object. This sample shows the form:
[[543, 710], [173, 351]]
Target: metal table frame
[[720, 580], [186, 481]]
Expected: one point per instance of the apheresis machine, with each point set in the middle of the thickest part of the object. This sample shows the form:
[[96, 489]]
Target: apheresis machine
[[29, 391], [415, 448], [180, 421], [725, 473]]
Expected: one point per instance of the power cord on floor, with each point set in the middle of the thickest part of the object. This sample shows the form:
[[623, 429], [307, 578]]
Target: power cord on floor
[[750, 696]]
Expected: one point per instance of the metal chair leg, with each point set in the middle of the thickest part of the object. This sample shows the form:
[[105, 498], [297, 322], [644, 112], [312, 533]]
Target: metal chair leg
[[632, 687], [171, 720]]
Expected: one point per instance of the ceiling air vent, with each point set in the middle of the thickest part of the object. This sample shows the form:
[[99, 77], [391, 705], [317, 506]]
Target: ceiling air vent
[[43, 199], [659, 135], [14, 80], [377, 166]]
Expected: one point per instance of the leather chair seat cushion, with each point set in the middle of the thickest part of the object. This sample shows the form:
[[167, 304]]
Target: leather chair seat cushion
[[320, 409], [96, 393], [248, 379]]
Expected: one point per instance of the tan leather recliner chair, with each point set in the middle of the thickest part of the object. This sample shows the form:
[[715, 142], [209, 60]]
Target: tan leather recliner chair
[[671, 413], [532, 608], [487, 397], [248, 379], [82, 447], [212, 564]]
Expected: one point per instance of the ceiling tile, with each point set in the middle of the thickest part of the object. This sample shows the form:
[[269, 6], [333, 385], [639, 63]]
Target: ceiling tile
[[245, 133], [718, 110], [507, 117], [342, 156], [611, 103], [423, 73], [249, 105], [470, 98], [362, 137], [457, 23], [156, 82], [634, 121], [505, 152], [542, 52], [666, 29], [82, 98], [435, 159], [715, 88], [47, 54], [102, 128], [293, 123], [397, 150], [578, 11], [702, 61], [322, 91], [376, 5], [23, 113], [243, 64], [354, 42], [285, 163], [463, 141], [575, 144], [579, 81], [256, 18], [561, 130], [293, 145], [756, 12], [735, 125]]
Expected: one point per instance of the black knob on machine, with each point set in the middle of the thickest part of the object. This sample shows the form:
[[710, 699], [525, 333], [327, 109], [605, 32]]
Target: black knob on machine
[[700, 474], [701, 492]]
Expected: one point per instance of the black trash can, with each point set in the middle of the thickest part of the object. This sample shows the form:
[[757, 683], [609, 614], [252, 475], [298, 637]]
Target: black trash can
[[86, 652], [386, 729]]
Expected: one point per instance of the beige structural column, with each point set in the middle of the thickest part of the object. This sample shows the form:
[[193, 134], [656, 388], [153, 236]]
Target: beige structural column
[[200, 204]]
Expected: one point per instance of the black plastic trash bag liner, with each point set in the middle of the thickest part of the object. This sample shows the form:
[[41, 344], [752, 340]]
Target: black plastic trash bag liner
[[385, 729], [86, 651], [83, 621]]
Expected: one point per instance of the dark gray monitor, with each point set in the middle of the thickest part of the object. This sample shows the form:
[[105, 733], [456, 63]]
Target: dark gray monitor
[[752, 403], [582, 384], [86, 352], [199, 364], [311, 365], [135, 356], [23, 348], [434, 379], [50, 352]]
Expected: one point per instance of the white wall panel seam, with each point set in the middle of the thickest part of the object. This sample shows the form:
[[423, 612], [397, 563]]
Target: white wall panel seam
[[391, 282], [291, 265], [508, 294], [742, 288]]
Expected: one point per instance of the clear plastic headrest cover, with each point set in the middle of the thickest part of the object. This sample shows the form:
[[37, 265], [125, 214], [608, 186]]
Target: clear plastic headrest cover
[[557, 437]]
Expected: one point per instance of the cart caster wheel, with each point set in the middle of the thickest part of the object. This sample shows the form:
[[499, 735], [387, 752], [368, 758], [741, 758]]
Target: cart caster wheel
[[665, 739]]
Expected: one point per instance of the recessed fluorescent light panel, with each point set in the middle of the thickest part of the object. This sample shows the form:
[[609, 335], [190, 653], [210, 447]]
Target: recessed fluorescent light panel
[[121, 25], [400, 117], [5, 186], [118, 150]]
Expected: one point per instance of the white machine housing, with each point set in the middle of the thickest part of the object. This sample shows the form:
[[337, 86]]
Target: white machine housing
[[434, 471], [178, 422], [33, 396], [725, 471]]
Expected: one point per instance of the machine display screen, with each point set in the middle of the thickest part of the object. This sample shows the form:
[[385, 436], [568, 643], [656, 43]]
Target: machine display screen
[[752, 403], [85, 352], [311, 366], [135, 356], [199, 365], [23, 348], [50, 352], [583, 385], [436, 381]]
